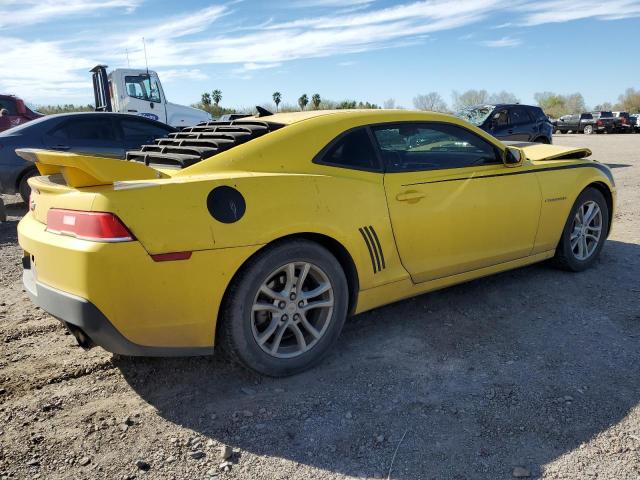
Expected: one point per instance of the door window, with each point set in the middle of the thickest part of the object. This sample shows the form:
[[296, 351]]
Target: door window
[[413, 147], [519, 115], [85, 130], [142, 87], [9, 105], [501, 118], [137, 130], [352, 150]]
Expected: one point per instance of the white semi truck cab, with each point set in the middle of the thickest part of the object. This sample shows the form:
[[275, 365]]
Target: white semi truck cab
[[139, 92]]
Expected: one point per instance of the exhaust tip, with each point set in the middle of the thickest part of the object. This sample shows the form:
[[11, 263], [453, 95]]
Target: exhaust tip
[[81, 337]]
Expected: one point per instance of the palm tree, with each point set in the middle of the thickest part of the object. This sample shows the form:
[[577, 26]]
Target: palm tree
[[303, 101], [216, 96], [315, 99], [277, 98], [206, 99]]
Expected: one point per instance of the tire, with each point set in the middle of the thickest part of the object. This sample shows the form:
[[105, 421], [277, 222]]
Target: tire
[[23, 187], [249, 336], [544, 140], [588, 129], [566, 256]]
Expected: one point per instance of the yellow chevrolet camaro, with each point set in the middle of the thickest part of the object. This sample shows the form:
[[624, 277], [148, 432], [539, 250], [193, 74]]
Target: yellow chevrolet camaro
[[260, 236]]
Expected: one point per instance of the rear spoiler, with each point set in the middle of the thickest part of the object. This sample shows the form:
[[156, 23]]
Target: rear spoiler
[[543, 151], [85, 171]]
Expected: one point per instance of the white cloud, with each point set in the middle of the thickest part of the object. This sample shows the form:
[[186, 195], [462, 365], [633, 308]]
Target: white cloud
[[568, 10], [17, 13], [502, 42], [171, 75]]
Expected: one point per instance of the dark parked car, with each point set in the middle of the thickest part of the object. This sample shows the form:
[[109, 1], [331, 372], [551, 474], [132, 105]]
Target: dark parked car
[[625, 125], [587, 123], [17, 112], [524, 123], [635, 122], [94, 133]]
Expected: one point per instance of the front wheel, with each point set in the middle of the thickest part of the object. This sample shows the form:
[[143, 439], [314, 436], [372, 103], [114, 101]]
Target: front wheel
[[285, 309], [584, 233]]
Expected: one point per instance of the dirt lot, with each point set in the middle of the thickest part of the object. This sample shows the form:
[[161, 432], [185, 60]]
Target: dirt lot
[[533, 371]]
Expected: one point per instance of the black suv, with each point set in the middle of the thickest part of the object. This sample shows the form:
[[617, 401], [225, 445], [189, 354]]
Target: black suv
[[524, 123]]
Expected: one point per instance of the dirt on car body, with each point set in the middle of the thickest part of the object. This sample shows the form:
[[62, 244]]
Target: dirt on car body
[[531, 374]]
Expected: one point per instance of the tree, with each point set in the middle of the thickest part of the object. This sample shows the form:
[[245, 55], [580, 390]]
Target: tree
[[556, 105], [389, 104], [575, 103], [315, 99], [630, 100], [432, 101], [206, 99], [216, 96], [603, 107], [469, 98], [503, 97], [303, 101], [277, 98]]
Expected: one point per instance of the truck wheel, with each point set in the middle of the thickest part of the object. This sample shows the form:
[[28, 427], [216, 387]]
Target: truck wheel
[[588, 129], [584, 232], [285, 310]]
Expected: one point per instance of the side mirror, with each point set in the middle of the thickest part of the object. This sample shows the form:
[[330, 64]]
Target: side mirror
[[512, 157]]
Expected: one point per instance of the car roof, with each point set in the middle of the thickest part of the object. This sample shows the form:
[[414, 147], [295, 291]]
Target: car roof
[[289, 118]]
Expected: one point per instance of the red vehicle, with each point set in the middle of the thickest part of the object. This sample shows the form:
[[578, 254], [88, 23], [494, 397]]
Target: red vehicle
[[18, 112]]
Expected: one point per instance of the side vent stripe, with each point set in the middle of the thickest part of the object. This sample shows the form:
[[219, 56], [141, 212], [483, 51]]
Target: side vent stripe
[[375, 250], [375, 236], [366, 240], [372, 241]]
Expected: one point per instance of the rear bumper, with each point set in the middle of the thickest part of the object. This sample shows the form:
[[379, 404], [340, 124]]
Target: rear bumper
[[124, 300], [84, 315]]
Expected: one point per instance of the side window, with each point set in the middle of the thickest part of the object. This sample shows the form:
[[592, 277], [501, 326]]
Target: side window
[[519, 115], [8, 105], [501, 118], [139, 130], [142, 88], [85, 130], [352, 150], [433, 146]]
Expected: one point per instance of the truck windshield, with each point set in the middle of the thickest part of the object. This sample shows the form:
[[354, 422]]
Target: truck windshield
[[142, 87], [475, 115]]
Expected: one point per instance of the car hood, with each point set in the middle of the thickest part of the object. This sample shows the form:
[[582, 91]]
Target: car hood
[[543, 151]]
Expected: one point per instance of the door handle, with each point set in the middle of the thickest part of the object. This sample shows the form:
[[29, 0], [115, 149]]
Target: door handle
[[410, 196]]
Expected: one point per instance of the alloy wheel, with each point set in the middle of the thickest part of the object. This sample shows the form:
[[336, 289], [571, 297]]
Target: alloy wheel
[[586, 230], [292, 309]]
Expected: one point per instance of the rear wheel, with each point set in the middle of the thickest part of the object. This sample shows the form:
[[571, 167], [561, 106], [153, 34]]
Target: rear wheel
[[544, 140], [23, 188], [585, 232], [588, 129], [285, 310]]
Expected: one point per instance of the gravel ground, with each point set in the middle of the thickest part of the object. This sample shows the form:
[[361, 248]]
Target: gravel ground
[[531, 373]]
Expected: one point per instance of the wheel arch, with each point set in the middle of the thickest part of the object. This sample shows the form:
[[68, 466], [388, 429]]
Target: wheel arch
[[336, 248], [27, 170], [604, 189]]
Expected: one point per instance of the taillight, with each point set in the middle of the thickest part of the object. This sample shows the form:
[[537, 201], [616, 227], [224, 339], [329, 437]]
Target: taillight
[[93, 226], [599, 122], [623, 120]]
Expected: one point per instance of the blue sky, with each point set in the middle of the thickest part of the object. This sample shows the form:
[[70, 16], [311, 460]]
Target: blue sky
[[342, 49]]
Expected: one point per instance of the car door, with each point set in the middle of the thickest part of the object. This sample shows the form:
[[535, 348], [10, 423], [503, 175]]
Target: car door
[[454, 206], [501, 125], [93, 134], [522, 126], [136, 132]]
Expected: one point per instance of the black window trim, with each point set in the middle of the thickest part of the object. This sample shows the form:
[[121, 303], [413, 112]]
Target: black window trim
[[386, 168], [319, 157]]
